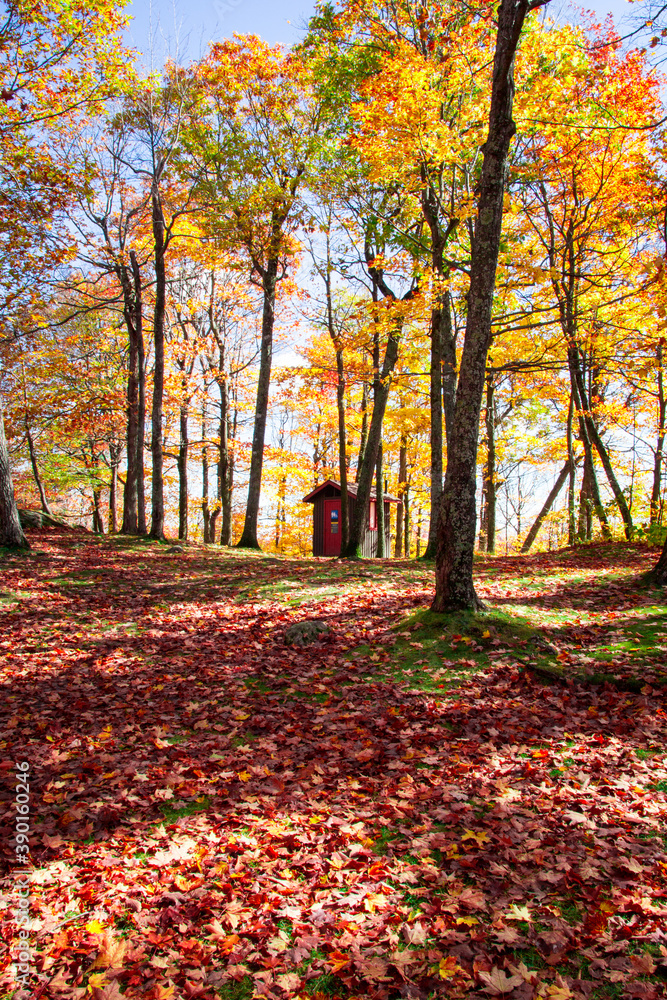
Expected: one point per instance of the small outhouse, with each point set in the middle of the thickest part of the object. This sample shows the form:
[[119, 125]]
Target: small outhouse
[[325, 499]]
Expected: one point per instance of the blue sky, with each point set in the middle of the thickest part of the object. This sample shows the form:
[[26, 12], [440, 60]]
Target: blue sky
[[184, 28]]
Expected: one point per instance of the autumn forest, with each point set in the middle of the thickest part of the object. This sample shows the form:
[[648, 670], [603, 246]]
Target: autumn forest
[[333, 507]]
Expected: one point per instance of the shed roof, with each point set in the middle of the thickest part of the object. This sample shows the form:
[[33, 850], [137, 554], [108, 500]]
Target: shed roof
[[352, 489]]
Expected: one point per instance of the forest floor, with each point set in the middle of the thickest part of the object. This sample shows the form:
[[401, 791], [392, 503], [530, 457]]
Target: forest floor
[[408, 808]]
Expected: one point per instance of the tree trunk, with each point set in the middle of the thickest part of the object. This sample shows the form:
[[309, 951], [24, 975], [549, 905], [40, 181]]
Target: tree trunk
[[223, 463], [571, 527], [130, 281], [141, 410], [406, 522], [436, 399], [448, 366], [481, 539], [248, 538], [35, 471], [206, 513], [183, 448], [490, 485], [11, 532], [364, 429], [227, 523], [586, 418], [548, 504], [585, 503], [365, 478], [340, 404], [456, 535], [342, 448], [98, 523], [115, 450], [402, 482], [379, 505], [590, 488], [132, 427], [660, 444], [157, 479], [658, 575]]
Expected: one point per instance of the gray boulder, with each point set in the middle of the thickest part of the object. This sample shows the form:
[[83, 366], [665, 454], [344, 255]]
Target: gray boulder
[[303, 633]]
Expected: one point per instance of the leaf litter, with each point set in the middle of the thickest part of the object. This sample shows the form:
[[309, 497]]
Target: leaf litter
[[216, 814]]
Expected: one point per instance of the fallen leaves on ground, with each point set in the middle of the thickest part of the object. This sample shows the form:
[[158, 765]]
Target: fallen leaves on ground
[[214, 813]]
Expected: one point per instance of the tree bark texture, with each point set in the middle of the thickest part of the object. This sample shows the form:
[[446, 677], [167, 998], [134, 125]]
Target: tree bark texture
[[379, 504], [248, 538], [402, 483], [490, 485], [342, 447], [365, 478], [658, 575], [129, 525], [363, 435], [11, 532], [660, 444], [141, 411], [183, 448], [571, 526], [590, 485], [456, 535], [35, 471], [436, 397], [157, 477], [115, 452]]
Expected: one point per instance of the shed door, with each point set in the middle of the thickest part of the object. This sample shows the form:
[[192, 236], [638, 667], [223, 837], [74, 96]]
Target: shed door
[[332, 527]]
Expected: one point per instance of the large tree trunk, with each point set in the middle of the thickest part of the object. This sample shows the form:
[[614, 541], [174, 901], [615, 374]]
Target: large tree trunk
[[548, 504], [248, 539], [157, 479], [456, 534], [11, 532], [35, 471], [437, 318], [183, 448]]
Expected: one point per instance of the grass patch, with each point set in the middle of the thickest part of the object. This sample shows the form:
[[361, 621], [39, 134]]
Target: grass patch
[[326, 985], [172, 813], [241, 990]]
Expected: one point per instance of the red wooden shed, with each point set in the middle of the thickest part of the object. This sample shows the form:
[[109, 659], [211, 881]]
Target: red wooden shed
[[325, 499]]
